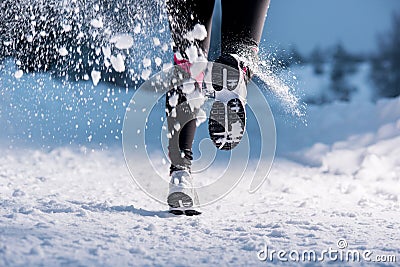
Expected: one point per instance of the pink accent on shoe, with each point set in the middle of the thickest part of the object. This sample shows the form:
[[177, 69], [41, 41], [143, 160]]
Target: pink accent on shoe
[[255, 49], [244, 69], [185, 65], [200, 78]]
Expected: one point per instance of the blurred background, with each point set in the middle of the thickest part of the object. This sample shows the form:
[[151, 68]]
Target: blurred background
[[311, 23], [345, 33]]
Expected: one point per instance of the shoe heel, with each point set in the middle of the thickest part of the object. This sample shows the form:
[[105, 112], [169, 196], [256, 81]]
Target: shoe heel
[[224, 77], [179, 200]]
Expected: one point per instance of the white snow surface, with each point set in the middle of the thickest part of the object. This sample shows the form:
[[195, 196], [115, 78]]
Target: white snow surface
[[338, 177], [64, 207]]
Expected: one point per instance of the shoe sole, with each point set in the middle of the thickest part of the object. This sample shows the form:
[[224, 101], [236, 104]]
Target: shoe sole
[[227, 112], [228, 75], [181, 204], [185, 212], [226, 124], [179, 200]]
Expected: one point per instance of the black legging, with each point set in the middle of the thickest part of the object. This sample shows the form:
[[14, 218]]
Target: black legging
[[242, 25], [242, 22]]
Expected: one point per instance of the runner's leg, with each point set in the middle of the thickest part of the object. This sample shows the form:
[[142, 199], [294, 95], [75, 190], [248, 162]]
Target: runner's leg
[[242, 26], [183, 16]]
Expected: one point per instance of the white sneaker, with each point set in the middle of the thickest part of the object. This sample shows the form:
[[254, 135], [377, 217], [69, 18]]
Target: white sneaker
[[182, 196], [227, 120]]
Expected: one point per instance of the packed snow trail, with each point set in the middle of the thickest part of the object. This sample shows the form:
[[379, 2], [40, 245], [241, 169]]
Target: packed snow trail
[[65, 207]]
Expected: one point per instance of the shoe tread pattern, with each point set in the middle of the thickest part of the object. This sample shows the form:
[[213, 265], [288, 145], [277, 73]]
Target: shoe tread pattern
[[217, 127]]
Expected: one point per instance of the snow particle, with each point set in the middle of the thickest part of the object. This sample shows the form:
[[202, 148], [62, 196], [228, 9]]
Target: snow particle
[[146, 74], [66, 27], [137, 29], [164, 47], [18, 74], [199, 32], [118, 63], [156, 41], [29, 38], [166, 66], [97, 23], [146, 62], [192, 53], [122, 41], [173, 100], [106, 51], [63, 51], [96, 76], [177, 126], [158, 61]]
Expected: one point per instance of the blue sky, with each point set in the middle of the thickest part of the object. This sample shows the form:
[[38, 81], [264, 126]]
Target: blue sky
[[308, 23]]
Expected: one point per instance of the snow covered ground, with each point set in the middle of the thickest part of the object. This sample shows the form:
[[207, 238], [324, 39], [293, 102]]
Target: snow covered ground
[[64, 204]]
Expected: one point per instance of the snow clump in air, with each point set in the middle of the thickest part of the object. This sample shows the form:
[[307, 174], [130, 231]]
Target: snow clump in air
[[122, 41], [96, 76], [199, 32], [18, 74], [118, 63], [97, 23], [63, 51]]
